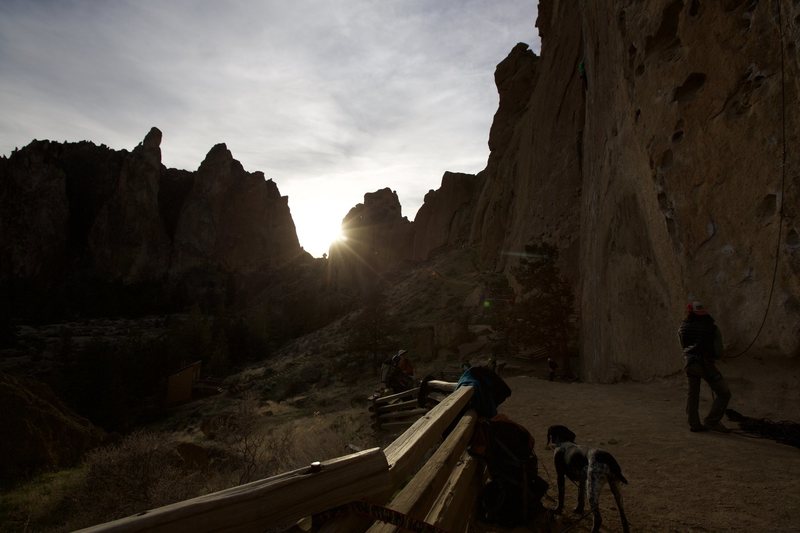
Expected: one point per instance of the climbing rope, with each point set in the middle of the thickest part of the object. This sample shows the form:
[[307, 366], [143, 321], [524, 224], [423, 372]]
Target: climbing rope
[[783, 183]]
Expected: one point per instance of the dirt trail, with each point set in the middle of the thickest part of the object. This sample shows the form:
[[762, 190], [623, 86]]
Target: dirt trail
[[679, 481]]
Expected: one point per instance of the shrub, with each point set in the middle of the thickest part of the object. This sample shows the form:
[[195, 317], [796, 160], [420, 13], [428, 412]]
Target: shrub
[[144, 470]]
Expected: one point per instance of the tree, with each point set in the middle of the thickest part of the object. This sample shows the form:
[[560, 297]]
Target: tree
[[543, 314], [372, 327]]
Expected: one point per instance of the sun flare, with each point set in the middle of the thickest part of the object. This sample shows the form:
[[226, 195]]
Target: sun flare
[[317, 233]]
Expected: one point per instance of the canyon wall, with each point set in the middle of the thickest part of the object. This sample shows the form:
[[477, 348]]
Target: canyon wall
[[669, 172], [85, 227], [689, 110]]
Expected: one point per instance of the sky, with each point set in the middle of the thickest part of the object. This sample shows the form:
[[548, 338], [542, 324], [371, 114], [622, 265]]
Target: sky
[[330, 99]]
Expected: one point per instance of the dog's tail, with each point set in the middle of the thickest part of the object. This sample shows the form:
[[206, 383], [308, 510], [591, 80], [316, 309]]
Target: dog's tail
[[613, 465]]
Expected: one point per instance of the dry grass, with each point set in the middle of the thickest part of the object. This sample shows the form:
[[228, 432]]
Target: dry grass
[[145, 469], [34, 506]]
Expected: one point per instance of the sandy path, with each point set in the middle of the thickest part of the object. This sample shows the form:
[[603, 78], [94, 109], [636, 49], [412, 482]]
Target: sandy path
[[679, 481]]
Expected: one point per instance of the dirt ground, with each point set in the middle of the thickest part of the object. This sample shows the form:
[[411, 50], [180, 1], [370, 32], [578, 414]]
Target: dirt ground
[[678, 480]]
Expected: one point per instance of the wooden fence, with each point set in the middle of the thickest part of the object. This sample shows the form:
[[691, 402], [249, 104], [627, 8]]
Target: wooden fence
[[402, 409], [395, 484], [397, 410]]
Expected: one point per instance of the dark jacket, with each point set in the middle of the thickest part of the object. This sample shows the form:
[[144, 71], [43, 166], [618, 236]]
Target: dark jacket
[[697, 334]]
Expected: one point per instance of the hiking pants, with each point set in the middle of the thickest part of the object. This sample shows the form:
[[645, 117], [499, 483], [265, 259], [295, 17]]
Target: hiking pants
[[707, 370]]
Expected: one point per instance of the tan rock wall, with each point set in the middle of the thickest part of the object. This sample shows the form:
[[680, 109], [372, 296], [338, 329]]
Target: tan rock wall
[[682, 189], [533, 180], [660, 181], [446, 215]]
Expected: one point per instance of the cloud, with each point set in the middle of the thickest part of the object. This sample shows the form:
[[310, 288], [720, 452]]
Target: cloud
[[330, 99]]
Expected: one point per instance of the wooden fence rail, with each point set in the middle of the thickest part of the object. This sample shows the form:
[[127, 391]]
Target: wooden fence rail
[[437, 493]]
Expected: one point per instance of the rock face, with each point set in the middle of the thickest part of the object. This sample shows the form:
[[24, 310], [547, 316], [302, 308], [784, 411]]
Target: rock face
[[532, 179], [683, 184], [85, 226], [127, 239], [377, 240], [232, 220], [661, 180], [445, 218], [666, 174]]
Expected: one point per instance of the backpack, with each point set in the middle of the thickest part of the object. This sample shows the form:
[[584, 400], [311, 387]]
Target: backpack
[[514, 492], [489, 389]]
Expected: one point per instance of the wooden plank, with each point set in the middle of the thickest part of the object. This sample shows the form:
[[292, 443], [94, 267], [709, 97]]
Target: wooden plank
[[419, 494], [408, 413], [397, 396], [398, 424], [442, 386], [453, 508], [269, 502], [408, 450], [409, 404]]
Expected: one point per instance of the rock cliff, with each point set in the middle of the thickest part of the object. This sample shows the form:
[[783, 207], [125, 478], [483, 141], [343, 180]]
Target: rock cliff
[[652, 147], [85, 227], [661, 178], [686, 192], [377, 239], [232, 220], [445, 218]]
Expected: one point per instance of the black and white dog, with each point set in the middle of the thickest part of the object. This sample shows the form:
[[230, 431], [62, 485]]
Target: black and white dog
[[590, 468]]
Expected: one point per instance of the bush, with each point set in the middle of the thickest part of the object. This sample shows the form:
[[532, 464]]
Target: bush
[[145, 470], [141, 472]]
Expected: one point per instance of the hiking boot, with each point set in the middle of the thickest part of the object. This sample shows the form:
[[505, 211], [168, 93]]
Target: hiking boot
[[698, 429], [718, 427]]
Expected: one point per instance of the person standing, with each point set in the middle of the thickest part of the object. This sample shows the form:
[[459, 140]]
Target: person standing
[[702, 344]]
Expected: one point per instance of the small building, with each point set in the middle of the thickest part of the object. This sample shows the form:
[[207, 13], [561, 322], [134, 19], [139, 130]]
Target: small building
[[179, 384]]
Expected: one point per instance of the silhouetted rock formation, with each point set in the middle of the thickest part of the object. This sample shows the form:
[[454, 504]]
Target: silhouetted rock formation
[[377, 239], [232, 220], [88, 229]]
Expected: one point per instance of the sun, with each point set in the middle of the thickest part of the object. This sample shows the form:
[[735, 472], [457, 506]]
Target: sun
[[317, 235], [318, 222]]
